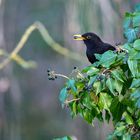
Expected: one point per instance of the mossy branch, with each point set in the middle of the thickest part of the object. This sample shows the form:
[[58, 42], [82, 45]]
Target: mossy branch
[[47, 38]]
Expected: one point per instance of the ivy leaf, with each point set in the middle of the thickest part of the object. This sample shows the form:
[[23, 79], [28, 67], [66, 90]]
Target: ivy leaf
[[137, 8], [127, 136], [98, 56], [136, 94], [91, 67], [137, 44], [118, 74], [71, 84], [133, 66], [136, 19], [87, 116], [117, 109], [128, 118], [138, 103], [104, 101], [118, 86], [63, 96], [130, 34], [98, 86], [135, 83], [107, 116], [127, 46], [92, 71], [64, 138], [74, 108], [92, 80], [134, 54], [110, 85], [127, 20], [108, 58]]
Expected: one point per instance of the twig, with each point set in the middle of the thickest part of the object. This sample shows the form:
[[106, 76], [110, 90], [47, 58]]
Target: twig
[[61, 75], [47, 38], [69, 101]]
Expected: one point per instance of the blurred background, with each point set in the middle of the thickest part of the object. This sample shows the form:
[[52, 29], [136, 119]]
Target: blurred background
[[29, 104]]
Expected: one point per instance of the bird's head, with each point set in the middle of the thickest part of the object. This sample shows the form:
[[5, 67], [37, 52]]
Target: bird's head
[[90, 39]]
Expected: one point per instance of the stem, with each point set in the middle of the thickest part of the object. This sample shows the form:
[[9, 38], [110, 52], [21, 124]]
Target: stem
[[69, 101], [64, 76], [47, 38]]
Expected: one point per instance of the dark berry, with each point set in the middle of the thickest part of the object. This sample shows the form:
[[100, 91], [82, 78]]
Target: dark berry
[[68, 88], [48, 70], [75, 67]]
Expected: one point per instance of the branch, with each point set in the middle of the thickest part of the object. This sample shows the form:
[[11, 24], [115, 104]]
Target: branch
[[47, 38], [69, 101]]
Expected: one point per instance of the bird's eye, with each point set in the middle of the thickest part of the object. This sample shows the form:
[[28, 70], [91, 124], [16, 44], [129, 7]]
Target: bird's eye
[[88, 37]]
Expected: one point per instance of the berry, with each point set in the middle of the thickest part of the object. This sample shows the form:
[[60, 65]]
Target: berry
[[68, 88], [75, 67]]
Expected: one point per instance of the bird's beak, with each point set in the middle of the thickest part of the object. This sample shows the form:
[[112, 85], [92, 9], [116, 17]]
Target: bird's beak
[[78, 37]]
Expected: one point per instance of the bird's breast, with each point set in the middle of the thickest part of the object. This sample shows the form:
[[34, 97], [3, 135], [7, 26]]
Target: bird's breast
[[91, 57]]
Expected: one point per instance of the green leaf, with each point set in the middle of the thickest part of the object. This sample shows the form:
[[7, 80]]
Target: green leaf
[[137, 44], [91, 67], [127, 46], [92, 71], [63, 95], [127, 20], [118, 74], [126, 136], [138, 122], [120, 129], [134, 54], [130, 34], [71, 84], [98, 86], [135, 83], [108, 58], [110, 85], [133, 66], [137, 7], [92, 80], [138, 103], [74, 108], [128, 118], [136, 93], [98, 56], [86, 101], [136, 19], [107, 116], [64, 138], [118, 85], [87, 116], [104, 101], [117, 109]]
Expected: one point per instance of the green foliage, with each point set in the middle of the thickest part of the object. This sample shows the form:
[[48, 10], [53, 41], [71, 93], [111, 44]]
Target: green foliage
[[64, 138], [111, 85]]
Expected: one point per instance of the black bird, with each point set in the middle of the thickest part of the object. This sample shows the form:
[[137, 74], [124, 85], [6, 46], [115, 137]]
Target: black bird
[[94, 45]]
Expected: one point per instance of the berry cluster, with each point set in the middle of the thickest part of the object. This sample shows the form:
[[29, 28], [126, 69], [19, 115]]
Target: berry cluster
[[51, 75]]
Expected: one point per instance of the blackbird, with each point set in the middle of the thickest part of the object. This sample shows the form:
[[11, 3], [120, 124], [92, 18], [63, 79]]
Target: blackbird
[[94, 45]]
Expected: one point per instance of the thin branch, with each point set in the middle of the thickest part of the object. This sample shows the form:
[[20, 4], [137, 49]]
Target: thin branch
[[47, 38], [61, 75], [69, 101]]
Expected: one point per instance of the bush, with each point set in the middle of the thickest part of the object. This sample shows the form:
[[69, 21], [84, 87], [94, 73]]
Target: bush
[[110, 88]]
